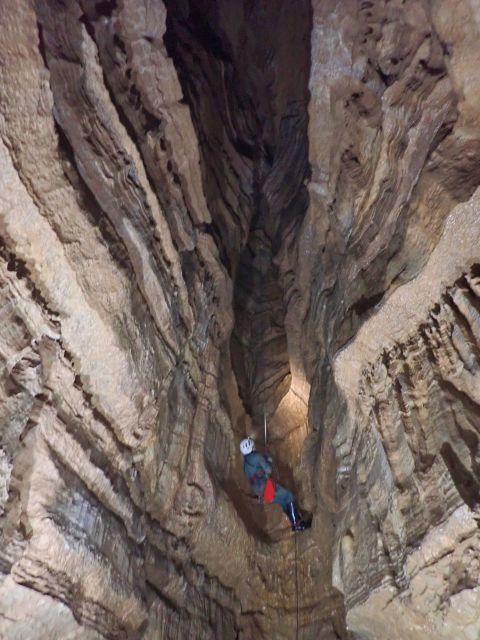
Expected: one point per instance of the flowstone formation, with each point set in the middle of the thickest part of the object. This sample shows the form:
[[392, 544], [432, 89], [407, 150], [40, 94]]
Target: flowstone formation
[[212, 211]]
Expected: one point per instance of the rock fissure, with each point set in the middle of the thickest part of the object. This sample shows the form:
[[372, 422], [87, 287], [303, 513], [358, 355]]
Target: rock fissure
[[212, 211]]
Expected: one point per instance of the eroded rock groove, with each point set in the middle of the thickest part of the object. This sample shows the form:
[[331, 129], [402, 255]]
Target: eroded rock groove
[[252, 129], [212, 209]]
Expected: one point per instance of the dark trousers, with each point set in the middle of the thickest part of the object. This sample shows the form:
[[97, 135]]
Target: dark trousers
[[283, 496]]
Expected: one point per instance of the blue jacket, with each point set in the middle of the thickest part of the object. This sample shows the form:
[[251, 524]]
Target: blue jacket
[[257, 469]]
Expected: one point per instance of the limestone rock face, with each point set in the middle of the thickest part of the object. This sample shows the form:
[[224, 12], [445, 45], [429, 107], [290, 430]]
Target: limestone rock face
[[213, 211]]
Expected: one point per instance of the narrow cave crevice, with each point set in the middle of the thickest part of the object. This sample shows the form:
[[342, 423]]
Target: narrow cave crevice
[[244, 70]]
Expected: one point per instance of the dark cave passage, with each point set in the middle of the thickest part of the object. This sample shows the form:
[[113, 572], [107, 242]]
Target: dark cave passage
[[244, 69]]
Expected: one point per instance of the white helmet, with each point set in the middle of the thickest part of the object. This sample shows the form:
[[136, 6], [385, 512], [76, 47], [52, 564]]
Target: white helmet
[[247, 446]]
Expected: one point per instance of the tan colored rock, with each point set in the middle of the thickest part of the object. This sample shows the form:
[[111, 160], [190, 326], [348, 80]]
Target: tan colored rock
[[211, 212]]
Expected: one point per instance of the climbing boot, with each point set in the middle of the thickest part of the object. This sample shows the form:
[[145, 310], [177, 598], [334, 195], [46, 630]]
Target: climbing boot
[[297, 523]]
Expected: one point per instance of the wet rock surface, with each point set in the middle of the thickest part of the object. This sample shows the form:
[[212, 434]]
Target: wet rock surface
[[211, 211]]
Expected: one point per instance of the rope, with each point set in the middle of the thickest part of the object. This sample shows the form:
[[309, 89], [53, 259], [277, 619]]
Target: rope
[[296, 582], [294, 535], [265, 428]]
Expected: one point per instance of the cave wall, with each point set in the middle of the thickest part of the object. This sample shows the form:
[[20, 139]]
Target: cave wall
[[124, 510], [396, 408], [101, 360], [247, 86], [208, 211]]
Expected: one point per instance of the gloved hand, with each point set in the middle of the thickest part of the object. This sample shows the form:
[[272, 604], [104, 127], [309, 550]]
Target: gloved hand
[[269, 459]]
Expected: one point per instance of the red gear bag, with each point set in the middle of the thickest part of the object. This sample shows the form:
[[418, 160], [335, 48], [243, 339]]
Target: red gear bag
[[269, 491]]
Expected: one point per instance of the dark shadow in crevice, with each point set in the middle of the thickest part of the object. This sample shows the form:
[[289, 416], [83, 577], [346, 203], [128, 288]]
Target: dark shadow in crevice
[[251, 120], [465, 483]]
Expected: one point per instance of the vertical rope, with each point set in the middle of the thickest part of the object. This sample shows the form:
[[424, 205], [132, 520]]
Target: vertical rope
[[265, 428], [296, 582]]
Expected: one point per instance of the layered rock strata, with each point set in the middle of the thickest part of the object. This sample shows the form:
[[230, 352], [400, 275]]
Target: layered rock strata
[[118, 487], [210, 211], [398, 402]]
